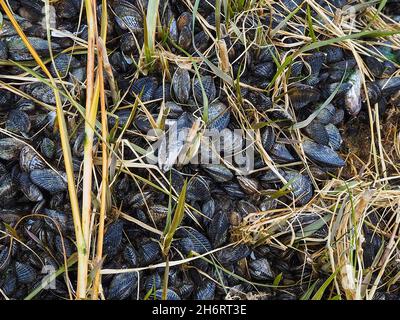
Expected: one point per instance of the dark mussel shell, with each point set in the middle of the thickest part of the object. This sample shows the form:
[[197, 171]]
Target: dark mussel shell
[[181, 85], [322, 154], [301, 95], [48, 180], [122, 286]]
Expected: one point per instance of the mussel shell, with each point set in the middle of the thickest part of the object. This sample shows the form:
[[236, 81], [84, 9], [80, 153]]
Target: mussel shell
[[58, 219], [201, 41], [63, 64], [153, 282], [218, 229], [233, 254], [113, 238], [29, 160], [185, 38], [218, 172], [48, 180], [207, 82], [193, 240], [18, 122], [3, 50], [181, 85], [326, 114], [48, 148], [374, 65], [9, 284], [198, 189], [147, 86], [333, 54], [301, 95], [64, 246], [8, 189], [24, 272], [10, 148], [205, 291], [30, 190], [268, 138], [122, 286], [281, 154], [19, 52], [260, 269], [316, 131], [128, 17], [335, 138], [4, 258], [389, 86], [315, 61], [300, 186], [322, 154], [218, 116], [149, 252], [171, 295], [265, 70], [185, 289]]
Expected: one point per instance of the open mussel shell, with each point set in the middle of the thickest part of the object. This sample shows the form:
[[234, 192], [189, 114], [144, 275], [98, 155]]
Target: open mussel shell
[[322, 154], [353, 95]]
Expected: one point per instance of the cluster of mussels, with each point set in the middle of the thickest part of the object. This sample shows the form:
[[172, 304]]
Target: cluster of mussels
[[325, 90]]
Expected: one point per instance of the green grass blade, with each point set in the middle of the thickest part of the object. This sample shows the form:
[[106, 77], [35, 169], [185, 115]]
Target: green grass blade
[[176, 220], [320, 292]]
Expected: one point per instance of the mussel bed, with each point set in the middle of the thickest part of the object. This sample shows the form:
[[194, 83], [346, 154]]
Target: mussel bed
[[322, 189]]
